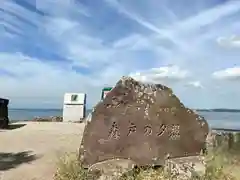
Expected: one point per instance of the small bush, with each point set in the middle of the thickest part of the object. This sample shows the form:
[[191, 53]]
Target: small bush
[[69, 168]]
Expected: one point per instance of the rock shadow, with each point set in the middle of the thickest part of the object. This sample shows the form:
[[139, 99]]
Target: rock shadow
[[15, 126], [12, 160]]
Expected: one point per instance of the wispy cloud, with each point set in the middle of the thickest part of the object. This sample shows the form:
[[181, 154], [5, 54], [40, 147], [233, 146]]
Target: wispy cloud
[[162, 75], [209, 16], [231, 42], [196, 84], [227, 74], [50, 47]]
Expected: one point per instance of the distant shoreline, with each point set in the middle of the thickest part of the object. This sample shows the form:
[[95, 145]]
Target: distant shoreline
[[55, 109], [218, 110], [35, 109]]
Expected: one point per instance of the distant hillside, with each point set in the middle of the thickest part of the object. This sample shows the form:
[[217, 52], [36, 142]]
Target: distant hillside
[[219, 110]]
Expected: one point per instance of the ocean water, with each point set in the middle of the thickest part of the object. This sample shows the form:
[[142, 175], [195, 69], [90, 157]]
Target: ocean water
[[230, 120], [215, 119], [29, 114]]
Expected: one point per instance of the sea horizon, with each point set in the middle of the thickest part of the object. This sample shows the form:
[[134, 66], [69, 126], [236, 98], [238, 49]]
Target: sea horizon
[[197, 109], [217, 118]]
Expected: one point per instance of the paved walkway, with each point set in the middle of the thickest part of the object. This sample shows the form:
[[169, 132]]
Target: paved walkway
[[29, 151]]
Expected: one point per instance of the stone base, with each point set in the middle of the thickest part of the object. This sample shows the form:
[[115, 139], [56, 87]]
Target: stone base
[[185, 168], [182, 168], [112, 169]]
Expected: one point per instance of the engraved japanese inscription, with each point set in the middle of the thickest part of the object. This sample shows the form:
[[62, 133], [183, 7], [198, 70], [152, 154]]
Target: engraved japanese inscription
[[142, 122], [148, 130], [161, 129], [114, 131], [131, 129], [174, 132]]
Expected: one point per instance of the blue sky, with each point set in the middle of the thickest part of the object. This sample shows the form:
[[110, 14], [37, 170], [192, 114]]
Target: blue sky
[[49, 47]]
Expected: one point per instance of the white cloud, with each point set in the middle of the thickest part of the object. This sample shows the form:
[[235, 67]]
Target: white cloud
[[133, 42], [232, 42], [75, 44], [36, 80], [196, 84], [62, 7], [161, 75], [174, 30], [132, 15], [82, 36], [163, 33], [209, 16], [20, 12], [44, 82], [227, 74]]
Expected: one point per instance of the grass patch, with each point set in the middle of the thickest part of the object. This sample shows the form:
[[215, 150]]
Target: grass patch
[[69, 168], [220, 165]]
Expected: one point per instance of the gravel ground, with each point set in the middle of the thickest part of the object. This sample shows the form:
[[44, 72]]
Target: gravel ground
[[30, 150]]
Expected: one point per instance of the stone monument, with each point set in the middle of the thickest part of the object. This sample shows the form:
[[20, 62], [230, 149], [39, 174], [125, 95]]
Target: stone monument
[[145, 123]]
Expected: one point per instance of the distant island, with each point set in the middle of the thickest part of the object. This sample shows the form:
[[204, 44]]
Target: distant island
[[218, 110]]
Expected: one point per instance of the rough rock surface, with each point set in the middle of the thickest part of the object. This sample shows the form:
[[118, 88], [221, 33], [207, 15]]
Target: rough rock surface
[[112, 169], [142, 122], [185, 168]]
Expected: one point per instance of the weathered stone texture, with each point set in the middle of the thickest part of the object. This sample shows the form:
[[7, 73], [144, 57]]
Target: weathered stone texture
[[185, 168], [144, 123]]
